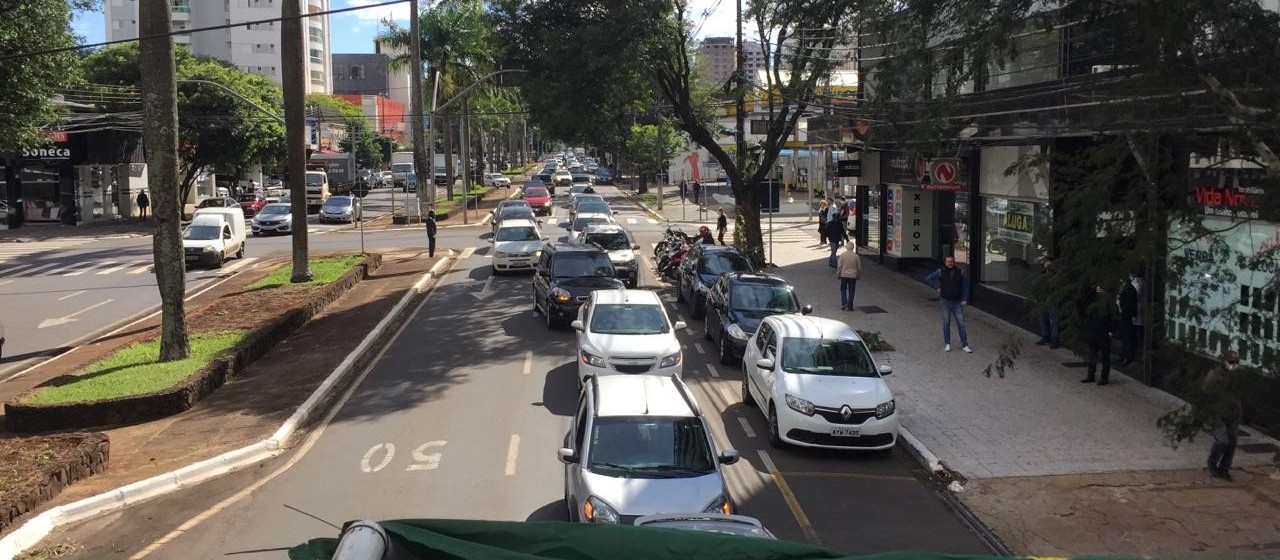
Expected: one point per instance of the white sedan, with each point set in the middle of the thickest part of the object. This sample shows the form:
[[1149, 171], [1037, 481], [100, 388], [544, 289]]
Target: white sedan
[[517, 244], [626, 331], [497, 180], [818, 386]]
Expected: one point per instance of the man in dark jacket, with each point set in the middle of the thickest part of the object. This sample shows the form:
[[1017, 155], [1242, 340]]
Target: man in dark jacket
[[1222, 387], [953, 295], [722, 225], [836, 236], [431, 233], [1130, 324], [1098, 326]]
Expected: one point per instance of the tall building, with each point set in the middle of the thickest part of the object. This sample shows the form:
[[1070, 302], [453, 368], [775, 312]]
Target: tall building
[[254, 48], [366, 81], [717, 59]]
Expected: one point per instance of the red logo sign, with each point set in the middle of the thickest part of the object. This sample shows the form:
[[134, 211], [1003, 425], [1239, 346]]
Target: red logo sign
[[944, 175], [58, 136], [944, 172]]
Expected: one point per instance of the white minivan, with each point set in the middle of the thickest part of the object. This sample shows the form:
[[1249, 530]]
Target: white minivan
[[213, 236]]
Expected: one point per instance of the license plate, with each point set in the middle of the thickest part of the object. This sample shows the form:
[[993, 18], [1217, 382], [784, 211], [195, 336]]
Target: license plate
[[846, 432]]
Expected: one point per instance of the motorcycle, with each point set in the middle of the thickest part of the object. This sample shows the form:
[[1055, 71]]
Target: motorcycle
[[671, 236], [669, 264]]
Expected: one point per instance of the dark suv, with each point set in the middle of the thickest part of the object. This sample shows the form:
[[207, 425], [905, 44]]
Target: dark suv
[[737, 303], [699, 269], [564, 278]]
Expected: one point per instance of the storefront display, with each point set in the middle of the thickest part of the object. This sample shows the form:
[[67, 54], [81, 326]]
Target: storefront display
[[1015, 238]]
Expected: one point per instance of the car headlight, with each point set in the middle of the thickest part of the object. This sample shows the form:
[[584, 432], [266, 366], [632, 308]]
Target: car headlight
[[560, 295], [547, 203], [885, 410], [719, 505], [736, 332], [596, 511], [669, 361], [499, 255], [800, 405], [592, 359], [208, 248]]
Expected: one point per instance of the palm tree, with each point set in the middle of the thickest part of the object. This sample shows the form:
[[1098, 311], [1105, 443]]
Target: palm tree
[[457, 48]]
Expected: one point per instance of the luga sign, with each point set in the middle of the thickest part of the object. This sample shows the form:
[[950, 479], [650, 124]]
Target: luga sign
[[46, 153]]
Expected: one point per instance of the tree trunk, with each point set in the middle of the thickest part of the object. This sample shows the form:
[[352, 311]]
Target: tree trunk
[[160, 133], [748, 220], [294, 82], [448, 155]]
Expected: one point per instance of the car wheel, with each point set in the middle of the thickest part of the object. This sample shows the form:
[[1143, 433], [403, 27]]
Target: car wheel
[[775, 440], [706, 330], [218, 263], [726, 352], [747, 399], [535, 302], [699, 307], [546, 312], [660, 248], [240, 252]]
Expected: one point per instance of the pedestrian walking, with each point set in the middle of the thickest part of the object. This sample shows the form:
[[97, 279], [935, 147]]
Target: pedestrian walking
[[848, 269], [1, 340], [953, 294], [1130, 302], [684, 189], [143, 202], [1099, 323], [1048, 316], [431, 233], [697, 193], [722, 225], [1222, 386], [835, 238], [823, 206]]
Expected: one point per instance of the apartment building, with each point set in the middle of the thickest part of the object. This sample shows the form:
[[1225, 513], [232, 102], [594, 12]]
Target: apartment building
[[254, 47], [717, 60]]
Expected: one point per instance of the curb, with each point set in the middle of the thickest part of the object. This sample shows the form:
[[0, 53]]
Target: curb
[[37, 528], [654, 213]]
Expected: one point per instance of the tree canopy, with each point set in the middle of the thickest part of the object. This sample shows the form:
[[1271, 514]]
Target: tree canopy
[[32, 82]]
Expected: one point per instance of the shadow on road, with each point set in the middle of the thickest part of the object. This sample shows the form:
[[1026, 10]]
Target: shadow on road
[[554, 511]]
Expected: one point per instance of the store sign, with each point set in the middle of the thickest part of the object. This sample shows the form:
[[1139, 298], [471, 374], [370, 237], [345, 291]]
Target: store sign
[[1018, 222], [849, 168], [56, 136], [942, 174], [46, 153], [899, 168], [892, 226], [1227, 192]]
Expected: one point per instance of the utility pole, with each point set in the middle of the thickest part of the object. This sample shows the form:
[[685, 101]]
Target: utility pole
[[658, 148], [160, 134], [421, 165], [740, 110], [464, 150], [294, 75]]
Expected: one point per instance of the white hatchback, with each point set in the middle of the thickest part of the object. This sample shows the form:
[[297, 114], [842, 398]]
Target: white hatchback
[[818, 386], [626, 331], [517, 244]]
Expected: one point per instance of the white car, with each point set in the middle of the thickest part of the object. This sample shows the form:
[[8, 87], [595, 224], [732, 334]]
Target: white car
[[517, 244], [626, 331], [497, 180], [817, 385], [581, 221]]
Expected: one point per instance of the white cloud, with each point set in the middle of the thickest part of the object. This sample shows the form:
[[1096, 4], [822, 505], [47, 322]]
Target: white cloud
[[398, 12], [717, 19]]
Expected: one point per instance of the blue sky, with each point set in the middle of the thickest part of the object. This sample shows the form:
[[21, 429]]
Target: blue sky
[[353, 32]]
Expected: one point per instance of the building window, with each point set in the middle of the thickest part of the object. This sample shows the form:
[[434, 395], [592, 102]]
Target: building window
[[357, 72], [317, 56], [182, 6], [1036, 61], [1016, 236]]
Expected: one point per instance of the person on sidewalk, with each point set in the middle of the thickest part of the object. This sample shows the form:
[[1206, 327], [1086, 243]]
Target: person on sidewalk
[[143, 202], [697, 193], [684, 189], [953, 294], [835, 238], [848, 269], [704, 236], [823, 206], [1130, 302], [722, 225], [1098, 324], [1222, 386], [431, 233], [1048, 317]]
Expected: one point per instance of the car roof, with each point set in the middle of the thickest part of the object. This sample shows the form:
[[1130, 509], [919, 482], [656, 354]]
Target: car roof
[[517, 222], [574, 248], [640, 395], [604, 228], [795, 325], [755, 278], [592, 215], [512, 202], [626, 296]]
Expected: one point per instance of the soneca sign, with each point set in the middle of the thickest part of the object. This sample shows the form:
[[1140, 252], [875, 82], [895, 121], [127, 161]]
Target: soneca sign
[[46, 153]]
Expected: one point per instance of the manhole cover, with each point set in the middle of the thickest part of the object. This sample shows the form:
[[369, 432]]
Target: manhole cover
[[871, 309], [1260, 448], [1075, 364]]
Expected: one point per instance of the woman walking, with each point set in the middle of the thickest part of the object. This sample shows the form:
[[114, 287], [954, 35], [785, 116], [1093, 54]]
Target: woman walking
[[823, 205]]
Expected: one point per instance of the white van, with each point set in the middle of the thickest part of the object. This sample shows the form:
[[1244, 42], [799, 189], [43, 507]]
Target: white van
[[213, 236]]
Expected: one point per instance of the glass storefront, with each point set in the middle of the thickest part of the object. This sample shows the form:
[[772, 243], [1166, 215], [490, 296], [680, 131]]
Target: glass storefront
[[40, 200], [871, 219], [1015, 237], [960, 246]]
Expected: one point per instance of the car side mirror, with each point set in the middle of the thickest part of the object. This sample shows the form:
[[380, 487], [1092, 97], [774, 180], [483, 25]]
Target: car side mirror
[[807, 309], [567, 455], [886, 369], [729, 457], [765, 364], [680, 325], [576, 325], [492, 240]]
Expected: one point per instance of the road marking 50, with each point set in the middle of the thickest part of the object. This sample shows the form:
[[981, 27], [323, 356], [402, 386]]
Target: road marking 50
[[385, 452]]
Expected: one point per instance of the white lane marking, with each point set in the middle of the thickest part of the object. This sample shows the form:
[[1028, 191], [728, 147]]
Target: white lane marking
[[652, 221], [688, 329], [466, 253], [3, 282], [513, 453], [72, 294], [426, 461], [91, 266], [528, 361], [16, 269], [67, 268], [712, 369], [141, 269], [698, 346], [55, 321], [729, 397], [241, 263], [746, 427], [39, 268], [769, 467], [631, 221], [387, 450], [115, 268]]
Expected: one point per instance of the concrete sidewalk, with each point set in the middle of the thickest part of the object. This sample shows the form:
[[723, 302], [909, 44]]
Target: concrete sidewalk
[[1053, 466]]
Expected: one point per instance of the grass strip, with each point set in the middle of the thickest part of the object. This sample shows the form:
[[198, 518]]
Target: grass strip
[[136, 370], [324, 270]]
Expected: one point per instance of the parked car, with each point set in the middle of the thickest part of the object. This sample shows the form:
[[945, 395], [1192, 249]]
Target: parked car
[[276, 217], [341, 208], [252, 203], [622, 250], [736, 304], [517, 244], [638, 446], [700, 268], [539, 198], [626, 332], [565, 277], [740, 525], [818, 385]]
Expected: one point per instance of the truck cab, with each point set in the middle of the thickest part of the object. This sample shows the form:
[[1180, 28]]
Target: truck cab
[[317, 190]]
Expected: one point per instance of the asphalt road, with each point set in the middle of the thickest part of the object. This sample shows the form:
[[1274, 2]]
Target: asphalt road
[[461, 417]]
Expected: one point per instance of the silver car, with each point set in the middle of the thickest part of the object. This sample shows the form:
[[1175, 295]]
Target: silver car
[[639, 446]]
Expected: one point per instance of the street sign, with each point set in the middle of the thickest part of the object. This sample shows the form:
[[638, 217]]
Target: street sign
[[849, 168], [360, 189], [769, 195]]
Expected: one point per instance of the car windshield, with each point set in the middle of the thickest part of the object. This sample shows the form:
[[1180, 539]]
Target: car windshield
[[517, 212], [582, 223], [577, 264], [338, 202], [535, 192], [522, 233], [628, 318], [720, 263], [650, 447], [611, 241], [275, 209], [824, 356], [201, 233], [578, 189], [213, 203], [763, 298], [514, 204], [581, 179], [594, 208], [315, 180], [401, 167]]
